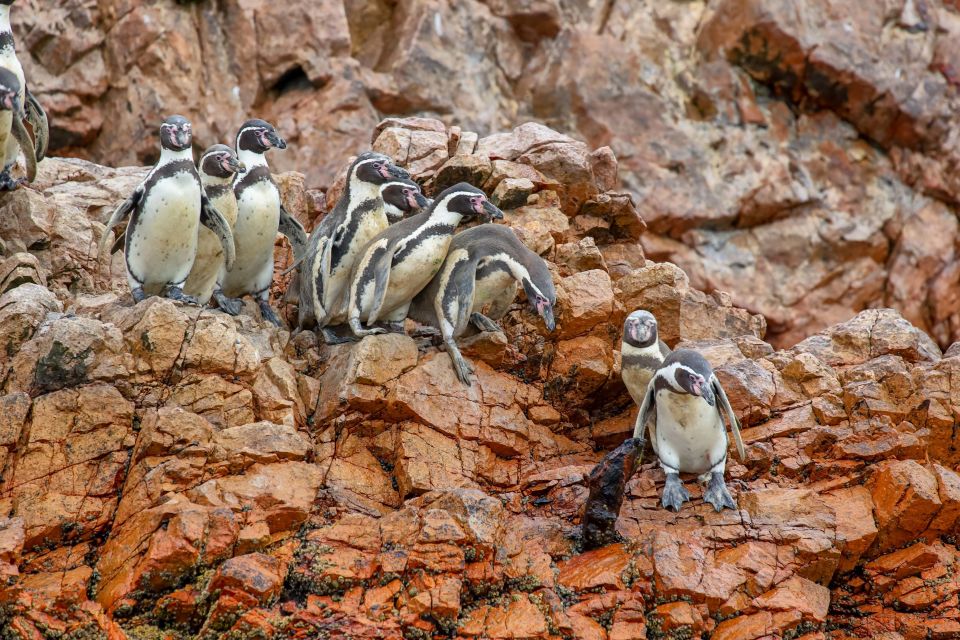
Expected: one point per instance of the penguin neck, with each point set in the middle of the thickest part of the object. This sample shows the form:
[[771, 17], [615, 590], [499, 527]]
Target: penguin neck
[[5, 19], [252, 159], [214, 181], [362, 191], [443, 216], [652, 349], [170, 155]]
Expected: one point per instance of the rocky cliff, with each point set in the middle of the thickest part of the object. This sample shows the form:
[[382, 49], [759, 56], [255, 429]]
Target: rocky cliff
[[171, 472], [765, 176]]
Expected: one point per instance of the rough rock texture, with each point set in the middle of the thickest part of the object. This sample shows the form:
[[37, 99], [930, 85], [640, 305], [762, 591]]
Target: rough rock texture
[[171, 472], [801, 155]]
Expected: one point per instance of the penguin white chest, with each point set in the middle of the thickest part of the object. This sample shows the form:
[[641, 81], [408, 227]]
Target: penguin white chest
[[690, 434], [163, 238], [258, 218], [415, 269]]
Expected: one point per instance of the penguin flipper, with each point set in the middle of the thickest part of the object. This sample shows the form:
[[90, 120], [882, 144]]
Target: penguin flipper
[[37, 118], [381, 259], [731, 416], [214, 220], [649, 402], [119, 242], [295, 233], [120, 214], [26, 144]]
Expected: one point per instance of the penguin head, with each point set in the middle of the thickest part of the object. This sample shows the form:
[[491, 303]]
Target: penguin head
[[541, 295], [469, 202], [259, 136], [401, 197], [219, 161], [376, 168], [640, 329], [176, 133], [691, 374], [9, 91]]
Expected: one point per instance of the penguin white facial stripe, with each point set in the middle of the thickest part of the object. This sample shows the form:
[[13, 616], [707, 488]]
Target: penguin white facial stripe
[[667, 376]]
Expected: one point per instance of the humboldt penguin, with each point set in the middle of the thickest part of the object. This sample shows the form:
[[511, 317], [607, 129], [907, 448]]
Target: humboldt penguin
[[217, 166], [166, 211], [480, 273], [641, 354], [339, 240], [401, 260], [401, 198], [13, 135], [690, 433], [260, 215]]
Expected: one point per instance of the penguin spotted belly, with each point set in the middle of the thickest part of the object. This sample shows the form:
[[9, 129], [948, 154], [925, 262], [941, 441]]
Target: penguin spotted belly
[[254, 236], [690, 434], [415, 271], [163, 242]]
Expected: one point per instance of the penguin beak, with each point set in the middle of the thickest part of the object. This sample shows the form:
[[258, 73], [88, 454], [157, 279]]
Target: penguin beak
[[233, 165], [183, 137], [640, 332], [490, 211], [419, 201], [545, 309], [390, 170], [275, 140]]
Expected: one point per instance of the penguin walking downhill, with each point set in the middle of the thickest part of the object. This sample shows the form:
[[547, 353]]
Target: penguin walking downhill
[[24, 108], [260, 215], [402, 259], [217, 167], [690, 436], [166, 211], [480, 273], [339, 240]]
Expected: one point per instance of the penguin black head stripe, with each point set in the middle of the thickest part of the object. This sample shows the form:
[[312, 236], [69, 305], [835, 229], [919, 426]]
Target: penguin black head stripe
[[400, 197], [219, 161], [376, 168], [9, 90], [469, 202], [259, 136], [176, 133], [640, 329]]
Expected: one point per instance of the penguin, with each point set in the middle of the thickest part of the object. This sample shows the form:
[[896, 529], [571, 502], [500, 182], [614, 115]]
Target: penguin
[[690, 434], [217, 166], [260, 215], [481, 270], [401, 260], [25, 108], [166, 211], [339, 240], [641, 354], [401, 198]]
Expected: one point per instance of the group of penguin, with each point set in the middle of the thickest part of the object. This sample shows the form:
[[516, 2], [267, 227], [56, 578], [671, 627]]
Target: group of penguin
[[206, 231]]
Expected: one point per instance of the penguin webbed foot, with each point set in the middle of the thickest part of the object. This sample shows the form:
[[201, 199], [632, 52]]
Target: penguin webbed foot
[[176, 293], [483, 323], [8, 182], [395, 327], [360, 332], [674, 493], [717, 493], [230, 306], [425, 332], [139, 295], [331, 337], [268, 313], [463, 368]]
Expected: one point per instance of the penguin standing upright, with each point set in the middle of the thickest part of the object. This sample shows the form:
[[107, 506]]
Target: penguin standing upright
[[641, 354], [217, 166], [401, 260], [480, 273], [339, 240], [13, 136], [260, 215], [166, 211], [690, 435]]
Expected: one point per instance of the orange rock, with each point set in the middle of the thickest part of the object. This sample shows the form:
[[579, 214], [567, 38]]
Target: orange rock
[[679, 615], [255, 574], [598, 568], [906, 499]]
